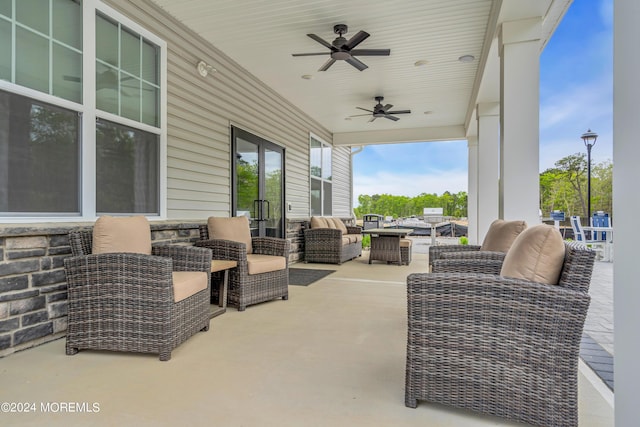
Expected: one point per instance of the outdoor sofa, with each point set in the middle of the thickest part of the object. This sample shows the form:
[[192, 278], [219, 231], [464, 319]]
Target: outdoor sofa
[[328, 240]]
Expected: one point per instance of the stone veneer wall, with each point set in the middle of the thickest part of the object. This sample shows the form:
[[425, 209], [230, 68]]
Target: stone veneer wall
[[33, 288]]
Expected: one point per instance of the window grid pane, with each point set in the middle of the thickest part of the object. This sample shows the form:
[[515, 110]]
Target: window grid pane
[[6, 8], [5, 50], [66, 63], [32, 60], [33, 14], [67, 22]]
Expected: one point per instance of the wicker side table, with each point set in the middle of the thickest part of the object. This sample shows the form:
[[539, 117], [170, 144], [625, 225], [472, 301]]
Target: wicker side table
[[223, 266]]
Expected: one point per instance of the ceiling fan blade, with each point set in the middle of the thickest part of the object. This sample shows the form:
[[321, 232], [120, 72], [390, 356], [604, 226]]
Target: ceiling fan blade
[[399, 112], [370, 52], [321, 41], [360, 108], [395, 119], [356, 63], [372, 119], [310, 54], [355, 40], [387, 107], [327, 64], [361, 115]]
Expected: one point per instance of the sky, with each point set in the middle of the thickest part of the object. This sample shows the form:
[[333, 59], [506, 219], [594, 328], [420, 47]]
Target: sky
[[576, 94]]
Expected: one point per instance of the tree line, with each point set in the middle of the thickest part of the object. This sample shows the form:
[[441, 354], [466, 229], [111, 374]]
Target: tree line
[[454, 205], [563, 187]]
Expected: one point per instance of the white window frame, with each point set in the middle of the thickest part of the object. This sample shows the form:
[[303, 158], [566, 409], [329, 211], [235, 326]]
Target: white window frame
[[89, 115], [324, 144]]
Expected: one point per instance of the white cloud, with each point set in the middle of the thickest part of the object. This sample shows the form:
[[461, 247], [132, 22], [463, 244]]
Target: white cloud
[[409, 185]]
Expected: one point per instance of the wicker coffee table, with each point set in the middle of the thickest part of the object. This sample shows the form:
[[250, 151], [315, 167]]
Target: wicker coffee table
[[385, 243]]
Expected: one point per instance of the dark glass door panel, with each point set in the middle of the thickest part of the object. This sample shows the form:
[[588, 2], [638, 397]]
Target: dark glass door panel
[[258, 184]]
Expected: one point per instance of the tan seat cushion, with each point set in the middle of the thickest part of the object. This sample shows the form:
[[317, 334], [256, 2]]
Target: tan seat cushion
[[346, 240], [122, 234], [187, 283], [405, 243], [358, 237], [235, 229], [265, 263], [337, 223], [502, 234], [319, 222], [536, 255]]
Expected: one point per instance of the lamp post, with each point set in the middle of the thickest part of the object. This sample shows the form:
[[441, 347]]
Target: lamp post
[[589, 139]]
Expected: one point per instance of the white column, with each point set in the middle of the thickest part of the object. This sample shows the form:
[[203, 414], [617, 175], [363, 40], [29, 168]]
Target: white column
[[519, 45], [488, 165], [472, 190], [626, 209]]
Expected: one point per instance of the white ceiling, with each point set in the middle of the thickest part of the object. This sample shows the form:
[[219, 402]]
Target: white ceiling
[[261, 35]]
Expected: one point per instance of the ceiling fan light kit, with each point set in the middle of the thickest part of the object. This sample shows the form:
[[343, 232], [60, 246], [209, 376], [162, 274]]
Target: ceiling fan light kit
[[342, 49]]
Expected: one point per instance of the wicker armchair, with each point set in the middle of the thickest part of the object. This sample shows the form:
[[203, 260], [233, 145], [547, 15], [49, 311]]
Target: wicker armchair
[[496, 345], [125, 301], [245, 288], [497, 241]]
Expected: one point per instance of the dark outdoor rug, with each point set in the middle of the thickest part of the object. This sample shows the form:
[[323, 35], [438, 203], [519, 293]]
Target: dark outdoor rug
[[306, 276]]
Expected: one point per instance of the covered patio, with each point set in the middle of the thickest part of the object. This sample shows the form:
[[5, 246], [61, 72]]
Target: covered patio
[[333, 355]]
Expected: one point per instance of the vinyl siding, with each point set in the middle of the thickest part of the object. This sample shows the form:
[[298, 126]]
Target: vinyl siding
[[200, 112]]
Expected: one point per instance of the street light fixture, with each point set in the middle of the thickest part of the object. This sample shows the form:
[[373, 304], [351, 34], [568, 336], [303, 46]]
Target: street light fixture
[[589, 139]]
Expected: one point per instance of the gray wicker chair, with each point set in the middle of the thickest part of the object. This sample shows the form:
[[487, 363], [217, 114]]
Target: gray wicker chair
[[500, 234], [497, 345], [244, 288], [125, 301]]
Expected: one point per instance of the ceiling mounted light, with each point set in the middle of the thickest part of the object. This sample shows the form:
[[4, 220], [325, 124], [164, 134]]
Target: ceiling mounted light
[[307, 76], [467, 58], [421, 63]]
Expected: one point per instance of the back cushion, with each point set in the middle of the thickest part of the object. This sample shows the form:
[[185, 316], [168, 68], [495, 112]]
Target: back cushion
[[235, 229], [502, 234], [337, 223], [122, 234], [536, 255], [319, 222]]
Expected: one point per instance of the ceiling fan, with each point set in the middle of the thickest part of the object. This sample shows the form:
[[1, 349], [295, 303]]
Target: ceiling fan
[[341, 49], [380, 110], [107, 79]]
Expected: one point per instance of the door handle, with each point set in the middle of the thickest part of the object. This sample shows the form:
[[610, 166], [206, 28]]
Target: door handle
[[257, 209], [268, 209]]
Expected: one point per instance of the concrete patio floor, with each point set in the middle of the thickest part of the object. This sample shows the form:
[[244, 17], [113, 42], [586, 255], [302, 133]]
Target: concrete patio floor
[[332, 355]]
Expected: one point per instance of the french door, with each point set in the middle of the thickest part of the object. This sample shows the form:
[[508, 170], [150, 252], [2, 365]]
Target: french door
[[258, 183]]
